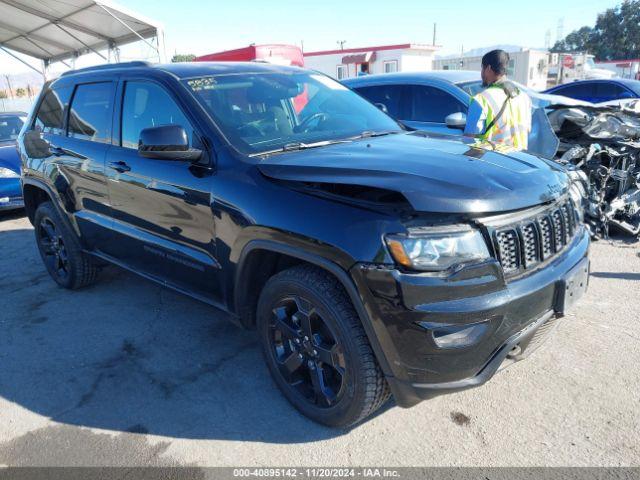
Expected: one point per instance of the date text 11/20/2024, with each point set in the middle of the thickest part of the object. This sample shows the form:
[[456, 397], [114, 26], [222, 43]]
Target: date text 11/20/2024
[[316, 472]]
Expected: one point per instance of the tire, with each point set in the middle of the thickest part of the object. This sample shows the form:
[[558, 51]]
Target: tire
[[60, 250], [331, 376]]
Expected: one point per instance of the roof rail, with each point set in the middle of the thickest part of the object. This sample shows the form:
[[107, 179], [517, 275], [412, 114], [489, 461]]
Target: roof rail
[[108, 66]]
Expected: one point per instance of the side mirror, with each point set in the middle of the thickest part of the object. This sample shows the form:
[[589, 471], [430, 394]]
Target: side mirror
[[456, 120], [166, 142], [382, 107]]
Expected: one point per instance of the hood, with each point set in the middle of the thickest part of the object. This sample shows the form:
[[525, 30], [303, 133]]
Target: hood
[[9, 157], [434, 175]]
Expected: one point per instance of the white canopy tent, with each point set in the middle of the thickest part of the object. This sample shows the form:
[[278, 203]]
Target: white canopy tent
[[59, 31]]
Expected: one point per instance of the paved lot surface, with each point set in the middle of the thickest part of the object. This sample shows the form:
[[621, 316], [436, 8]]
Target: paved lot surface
[[128, 373]]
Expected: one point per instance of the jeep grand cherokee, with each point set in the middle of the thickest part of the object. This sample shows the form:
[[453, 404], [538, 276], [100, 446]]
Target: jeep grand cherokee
[[372, 261]]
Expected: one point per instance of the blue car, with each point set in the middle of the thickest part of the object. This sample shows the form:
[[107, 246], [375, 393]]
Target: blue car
[[10, 190], [598, 91], [437, 102]]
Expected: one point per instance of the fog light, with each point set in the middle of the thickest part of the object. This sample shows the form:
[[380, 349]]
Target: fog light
[[4, 199], [455, 336]]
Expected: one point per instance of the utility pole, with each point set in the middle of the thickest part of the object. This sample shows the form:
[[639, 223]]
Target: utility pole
[[434, 33], [341, 43], [8, 79], [302, 46]]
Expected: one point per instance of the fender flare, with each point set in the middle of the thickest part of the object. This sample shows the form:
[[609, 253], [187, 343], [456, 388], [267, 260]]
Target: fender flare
[[331, 267], [55, 199]]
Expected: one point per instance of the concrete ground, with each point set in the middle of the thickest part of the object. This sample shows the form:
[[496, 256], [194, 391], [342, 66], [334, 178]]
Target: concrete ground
[[128, 373]]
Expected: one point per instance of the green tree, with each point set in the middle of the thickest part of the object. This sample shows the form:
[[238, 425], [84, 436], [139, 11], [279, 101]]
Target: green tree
[[183, 57], [3, 94], [616, 34], [20, 92]]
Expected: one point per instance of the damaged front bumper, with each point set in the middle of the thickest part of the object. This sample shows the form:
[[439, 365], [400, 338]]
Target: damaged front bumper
[[406, 309]]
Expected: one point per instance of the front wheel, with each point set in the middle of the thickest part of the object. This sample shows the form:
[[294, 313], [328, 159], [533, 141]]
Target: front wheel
[[316, 348]]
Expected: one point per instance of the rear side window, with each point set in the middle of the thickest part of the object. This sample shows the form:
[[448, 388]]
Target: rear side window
[[148, 105], [388, 95], [91, 111], [50, 116]]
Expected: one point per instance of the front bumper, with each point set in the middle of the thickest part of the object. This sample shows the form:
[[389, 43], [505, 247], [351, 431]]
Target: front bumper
[[10, 194], [516, 312]]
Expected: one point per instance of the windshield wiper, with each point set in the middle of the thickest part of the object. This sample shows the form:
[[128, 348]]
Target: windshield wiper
[[371, 133], [303, 146], [293, 146]]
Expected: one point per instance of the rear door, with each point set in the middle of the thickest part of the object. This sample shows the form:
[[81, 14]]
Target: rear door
[[163, 221], [72, 130]]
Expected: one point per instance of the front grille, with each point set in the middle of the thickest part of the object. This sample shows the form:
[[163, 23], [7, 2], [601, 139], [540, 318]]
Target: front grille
[[535, 239]]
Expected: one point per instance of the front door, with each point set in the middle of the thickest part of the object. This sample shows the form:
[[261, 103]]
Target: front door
[[162, 214]]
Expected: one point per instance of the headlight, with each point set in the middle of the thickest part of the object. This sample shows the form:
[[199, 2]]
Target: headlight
[[420, 250], [6, 173]]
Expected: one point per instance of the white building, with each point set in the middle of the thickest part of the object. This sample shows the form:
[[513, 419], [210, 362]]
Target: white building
[[528, 67], [346, 63]]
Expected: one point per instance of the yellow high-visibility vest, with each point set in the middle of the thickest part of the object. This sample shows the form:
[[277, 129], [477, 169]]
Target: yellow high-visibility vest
[[511, 129]]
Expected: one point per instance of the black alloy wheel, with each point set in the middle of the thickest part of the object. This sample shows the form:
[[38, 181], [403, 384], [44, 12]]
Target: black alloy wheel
[[52, 246], [308, 353], [60, 249], [316, 348]]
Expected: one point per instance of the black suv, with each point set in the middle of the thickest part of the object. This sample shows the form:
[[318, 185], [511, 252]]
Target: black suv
[[372, 260]]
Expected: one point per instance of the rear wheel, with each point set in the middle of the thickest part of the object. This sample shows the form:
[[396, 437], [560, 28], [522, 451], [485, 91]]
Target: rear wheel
[[60, 250], [316, 348]]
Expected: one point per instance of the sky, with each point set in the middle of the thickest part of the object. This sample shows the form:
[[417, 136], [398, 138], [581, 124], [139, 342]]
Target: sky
[[199, 27]]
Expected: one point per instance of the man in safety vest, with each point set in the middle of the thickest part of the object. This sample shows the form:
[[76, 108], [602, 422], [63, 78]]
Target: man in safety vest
[[499, 116]]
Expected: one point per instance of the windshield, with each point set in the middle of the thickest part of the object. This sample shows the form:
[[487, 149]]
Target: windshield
[[10, 126], [263, 112]]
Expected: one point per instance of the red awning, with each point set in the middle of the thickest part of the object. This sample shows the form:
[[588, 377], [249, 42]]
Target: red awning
[[359, 58]]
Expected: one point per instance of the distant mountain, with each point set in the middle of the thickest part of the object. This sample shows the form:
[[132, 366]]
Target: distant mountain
[[19, 80]]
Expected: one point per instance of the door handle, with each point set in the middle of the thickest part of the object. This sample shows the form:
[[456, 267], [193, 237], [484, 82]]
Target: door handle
[[120, 167]]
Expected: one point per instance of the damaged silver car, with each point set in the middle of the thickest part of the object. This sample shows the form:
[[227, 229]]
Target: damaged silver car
[[600, 145]]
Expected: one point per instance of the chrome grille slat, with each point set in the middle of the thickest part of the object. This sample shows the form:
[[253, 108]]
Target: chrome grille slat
[[533, 240]]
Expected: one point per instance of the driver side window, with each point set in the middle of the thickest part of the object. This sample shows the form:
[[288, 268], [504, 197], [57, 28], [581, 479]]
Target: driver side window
[[147, 105]]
